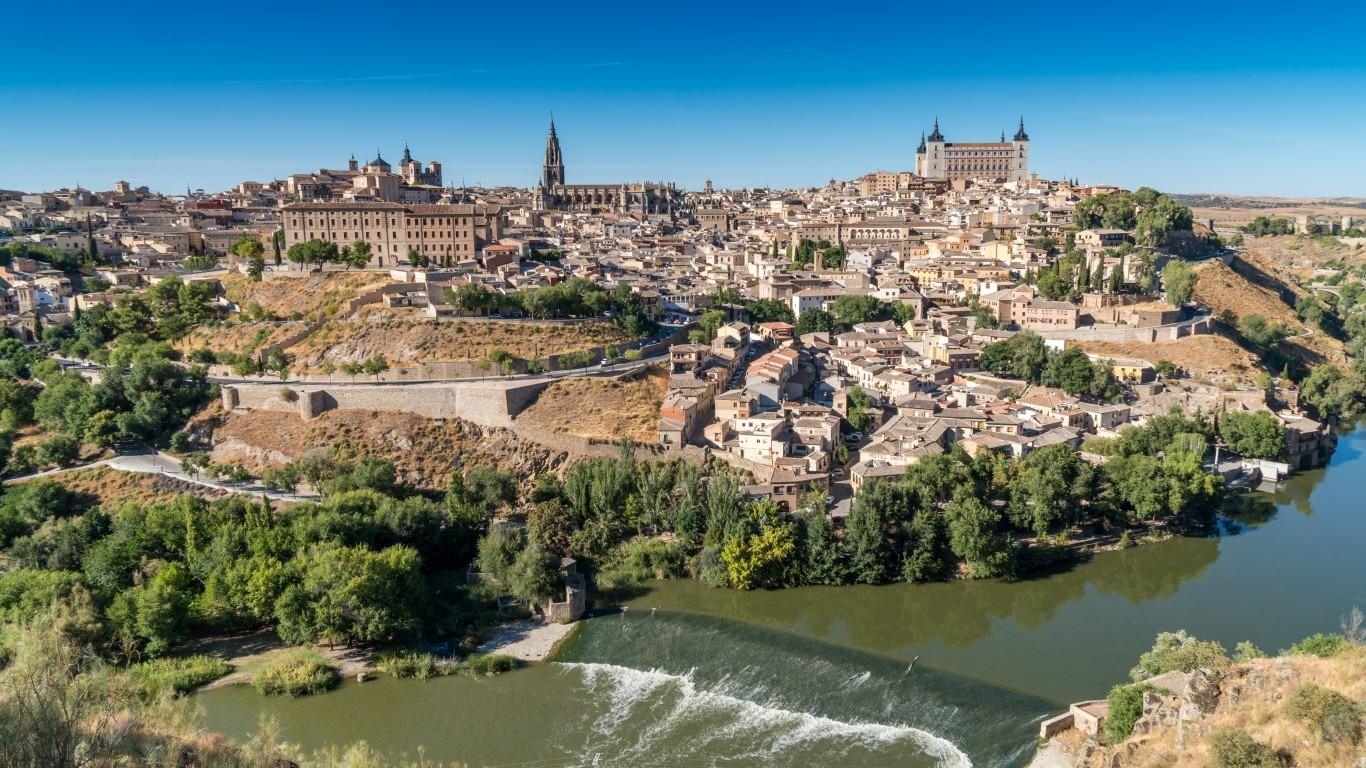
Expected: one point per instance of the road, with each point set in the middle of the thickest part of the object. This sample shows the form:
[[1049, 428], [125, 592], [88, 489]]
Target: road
[[616, 369], [168, 465]]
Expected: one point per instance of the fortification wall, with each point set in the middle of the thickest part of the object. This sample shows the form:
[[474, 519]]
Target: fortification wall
[[1199, 325], [492, 404]]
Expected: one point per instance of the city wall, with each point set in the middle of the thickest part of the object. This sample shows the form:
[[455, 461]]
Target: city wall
[[490, 404], [1199, 325]]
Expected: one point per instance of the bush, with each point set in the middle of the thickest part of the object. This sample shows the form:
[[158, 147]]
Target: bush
[[411, 664], [1233, 748], [1178, 652], [1126, 706], [1246, 651], [490, 664], [301, 673], [1334, 716], [1320, 645], [179, 675], [288, 395]]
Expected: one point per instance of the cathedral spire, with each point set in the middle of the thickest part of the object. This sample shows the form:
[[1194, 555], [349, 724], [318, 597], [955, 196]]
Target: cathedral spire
[[1020, 135], [407, 156], [920, 150], [552, 173], [935, 135]]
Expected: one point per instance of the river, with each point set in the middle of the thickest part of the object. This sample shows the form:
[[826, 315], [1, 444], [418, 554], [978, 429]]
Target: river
[[822, 676]]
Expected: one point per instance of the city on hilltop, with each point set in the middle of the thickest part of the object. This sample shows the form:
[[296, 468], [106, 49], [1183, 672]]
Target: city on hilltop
[[374, 408]]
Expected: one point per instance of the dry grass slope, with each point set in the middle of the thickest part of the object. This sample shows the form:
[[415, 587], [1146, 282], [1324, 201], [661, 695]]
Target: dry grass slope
[[287, 295], [600, 408], [1252, 699], [411, 341], [113, 487], [424, 451]]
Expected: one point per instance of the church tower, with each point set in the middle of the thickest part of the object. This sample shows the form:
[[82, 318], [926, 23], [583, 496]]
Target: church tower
[[1019, 161], [552, 173]]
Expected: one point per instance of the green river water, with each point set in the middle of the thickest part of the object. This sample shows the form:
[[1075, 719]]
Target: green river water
[[691, 676]]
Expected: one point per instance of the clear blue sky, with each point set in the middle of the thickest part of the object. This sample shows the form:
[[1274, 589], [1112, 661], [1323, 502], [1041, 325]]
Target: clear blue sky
[[1183, 96]]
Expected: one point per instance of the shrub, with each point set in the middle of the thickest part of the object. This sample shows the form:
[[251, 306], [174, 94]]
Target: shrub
[[301, 673], [411, 664], [490, 664], [1126, 705], [1178, 652], [1334, 716], [1246, 651], [1233, 748], [288, 395], [1320, 645], [178, 675]]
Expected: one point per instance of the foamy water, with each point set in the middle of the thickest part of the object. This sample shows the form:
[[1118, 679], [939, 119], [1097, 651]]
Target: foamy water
[[654, 717]]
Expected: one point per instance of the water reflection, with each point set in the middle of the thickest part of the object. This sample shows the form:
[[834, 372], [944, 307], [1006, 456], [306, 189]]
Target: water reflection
[[955, 614]]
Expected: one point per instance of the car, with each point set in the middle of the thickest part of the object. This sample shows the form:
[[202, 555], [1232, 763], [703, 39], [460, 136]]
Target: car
[[853, 437], [604, 363], [829, 501]]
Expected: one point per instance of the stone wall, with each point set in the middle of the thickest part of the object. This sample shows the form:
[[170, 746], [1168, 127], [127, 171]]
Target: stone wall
[[1199, 325], [490, 404]]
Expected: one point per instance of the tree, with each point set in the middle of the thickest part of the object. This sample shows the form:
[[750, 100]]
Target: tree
[[1257, 435], [974, 535], [315, 251], [501, 358], [375, 366], [1179, 280], [851, 309], [815, 320], [277, 241], [1072, 371], [1049, 488], [1022, 355], [358, 255]]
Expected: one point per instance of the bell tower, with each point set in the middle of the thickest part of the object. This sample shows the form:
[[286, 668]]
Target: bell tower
[[552, 173]]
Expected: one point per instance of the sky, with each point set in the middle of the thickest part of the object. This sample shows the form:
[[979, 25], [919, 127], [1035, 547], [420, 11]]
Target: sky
[[1182, 96]]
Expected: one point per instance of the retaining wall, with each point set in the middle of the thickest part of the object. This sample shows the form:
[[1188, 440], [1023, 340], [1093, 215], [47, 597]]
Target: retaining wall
[[492, 404], [1199, 325]]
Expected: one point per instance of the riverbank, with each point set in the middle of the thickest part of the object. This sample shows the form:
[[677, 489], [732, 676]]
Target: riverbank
[[527, 640]]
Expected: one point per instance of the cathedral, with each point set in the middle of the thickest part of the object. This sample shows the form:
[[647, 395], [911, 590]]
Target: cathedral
[[553, 194], [936, 158]]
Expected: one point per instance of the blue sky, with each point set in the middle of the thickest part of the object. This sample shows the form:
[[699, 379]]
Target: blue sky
[[1190, 97]]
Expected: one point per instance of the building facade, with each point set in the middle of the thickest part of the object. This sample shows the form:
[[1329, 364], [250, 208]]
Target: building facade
[[553, 194], [444, 233], [937, 158]]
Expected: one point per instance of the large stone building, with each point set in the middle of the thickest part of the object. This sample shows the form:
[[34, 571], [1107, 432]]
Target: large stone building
[[374, 181], [552, 193], [936, 158], [444, 233]]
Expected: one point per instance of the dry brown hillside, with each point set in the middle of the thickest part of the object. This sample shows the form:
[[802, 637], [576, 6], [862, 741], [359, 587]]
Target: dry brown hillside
[[424, 451], [1257, 288], [288, 295], [1250, 697], [601, 409], [113, 487], [237, 337], [408, 341], [1208, 357]]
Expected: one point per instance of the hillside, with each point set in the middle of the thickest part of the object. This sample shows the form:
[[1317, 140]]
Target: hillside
[[601, 409], [409, 341], [1253, 697], [1207, 357], [288, 295], [1259, 287], [237, 337], [424, 451]]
